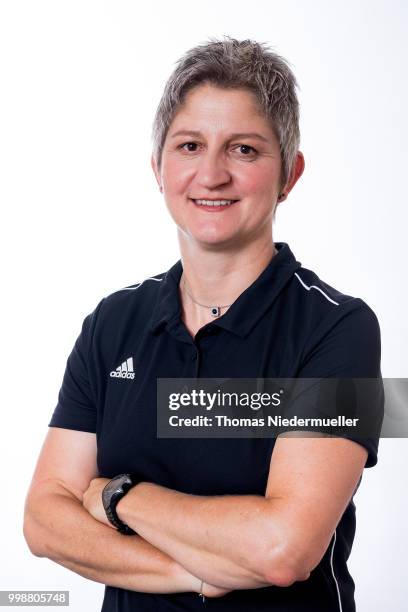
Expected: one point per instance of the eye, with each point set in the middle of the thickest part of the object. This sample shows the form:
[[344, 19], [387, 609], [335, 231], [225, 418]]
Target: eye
[[189, 147], [246, 150]]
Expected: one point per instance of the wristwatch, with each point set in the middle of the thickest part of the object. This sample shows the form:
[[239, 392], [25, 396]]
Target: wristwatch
[[112, 494]]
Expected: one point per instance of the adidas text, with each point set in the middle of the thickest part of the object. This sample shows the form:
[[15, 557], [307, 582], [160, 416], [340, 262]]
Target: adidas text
[[122, 374], [125, 370]]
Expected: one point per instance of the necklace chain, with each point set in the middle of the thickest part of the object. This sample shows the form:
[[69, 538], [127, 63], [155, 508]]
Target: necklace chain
[[215, 310]]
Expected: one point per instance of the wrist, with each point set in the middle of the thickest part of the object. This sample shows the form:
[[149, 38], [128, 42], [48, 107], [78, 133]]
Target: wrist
[[129, 506]]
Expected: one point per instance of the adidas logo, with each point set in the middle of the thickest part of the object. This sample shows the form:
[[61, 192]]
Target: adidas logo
[[125, 370]]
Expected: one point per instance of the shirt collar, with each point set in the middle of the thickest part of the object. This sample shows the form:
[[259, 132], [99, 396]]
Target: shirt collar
[[247, 309]]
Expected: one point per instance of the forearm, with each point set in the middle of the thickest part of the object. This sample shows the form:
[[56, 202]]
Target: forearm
[[58, 527], [223, 539]]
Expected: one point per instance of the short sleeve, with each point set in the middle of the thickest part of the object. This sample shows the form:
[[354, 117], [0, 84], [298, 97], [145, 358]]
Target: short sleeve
[[76, 407], [348, 345]]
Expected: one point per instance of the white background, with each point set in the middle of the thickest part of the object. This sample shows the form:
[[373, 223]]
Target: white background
[[82, 216]]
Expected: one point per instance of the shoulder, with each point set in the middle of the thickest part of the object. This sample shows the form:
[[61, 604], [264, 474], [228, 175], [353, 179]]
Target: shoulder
[[320, 302], [316, 292], [116, 308], [337, 329], [143, 292]]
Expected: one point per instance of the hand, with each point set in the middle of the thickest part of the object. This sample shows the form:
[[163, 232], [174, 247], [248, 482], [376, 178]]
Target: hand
[[92, 500]]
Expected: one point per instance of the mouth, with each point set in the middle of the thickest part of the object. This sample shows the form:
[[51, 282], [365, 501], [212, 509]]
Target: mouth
[[213, 205]]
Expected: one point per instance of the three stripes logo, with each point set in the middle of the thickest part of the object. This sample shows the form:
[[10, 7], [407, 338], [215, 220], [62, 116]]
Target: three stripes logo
[[125, 370]]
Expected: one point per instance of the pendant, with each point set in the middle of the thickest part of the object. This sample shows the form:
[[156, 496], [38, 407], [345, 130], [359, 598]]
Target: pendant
[[215, 311]]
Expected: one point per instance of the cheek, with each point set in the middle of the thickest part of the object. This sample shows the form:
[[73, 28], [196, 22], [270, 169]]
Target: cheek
[[260, 182], [176, 177]]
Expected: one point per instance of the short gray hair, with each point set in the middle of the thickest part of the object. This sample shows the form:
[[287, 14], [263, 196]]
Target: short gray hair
[[232, 64]]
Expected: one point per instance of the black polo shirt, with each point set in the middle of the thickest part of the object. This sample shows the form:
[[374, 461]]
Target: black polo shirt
[[288, 323]]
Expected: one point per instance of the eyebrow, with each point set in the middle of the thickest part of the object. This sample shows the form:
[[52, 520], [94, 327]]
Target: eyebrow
[[197, 133]]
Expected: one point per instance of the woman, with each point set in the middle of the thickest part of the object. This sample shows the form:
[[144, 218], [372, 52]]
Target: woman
[[248, 524]]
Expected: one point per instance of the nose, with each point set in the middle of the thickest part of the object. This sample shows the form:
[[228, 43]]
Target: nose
[[212, 171]]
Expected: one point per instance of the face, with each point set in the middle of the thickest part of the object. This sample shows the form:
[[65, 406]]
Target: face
[[220, 151]]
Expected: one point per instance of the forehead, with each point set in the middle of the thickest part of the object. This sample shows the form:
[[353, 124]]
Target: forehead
[[211, 108]]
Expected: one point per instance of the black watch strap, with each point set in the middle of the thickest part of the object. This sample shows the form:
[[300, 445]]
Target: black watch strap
[[112, 494]]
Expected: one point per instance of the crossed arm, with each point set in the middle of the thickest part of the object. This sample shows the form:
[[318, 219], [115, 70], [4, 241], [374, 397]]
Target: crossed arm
[[229, 542]]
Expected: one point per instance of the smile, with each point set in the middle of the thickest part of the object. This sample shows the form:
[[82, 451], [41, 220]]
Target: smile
[[214, 203]]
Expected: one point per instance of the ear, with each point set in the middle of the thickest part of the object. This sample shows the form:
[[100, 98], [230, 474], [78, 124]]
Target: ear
[[156, 171], [295, 175]]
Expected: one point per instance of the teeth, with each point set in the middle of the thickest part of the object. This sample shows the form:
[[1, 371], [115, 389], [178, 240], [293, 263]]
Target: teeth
[[214, 202]]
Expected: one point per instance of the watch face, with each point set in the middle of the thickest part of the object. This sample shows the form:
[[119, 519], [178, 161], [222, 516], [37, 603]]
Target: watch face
[[114, 486], [111, 494]]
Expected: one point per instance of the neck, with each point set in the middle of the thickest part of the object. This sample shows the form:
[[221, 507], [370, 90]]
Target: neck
[[215, 277]]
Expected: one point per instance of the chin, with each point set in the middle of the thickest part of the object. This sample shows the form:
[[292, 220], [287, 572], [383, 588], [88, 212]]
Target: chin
[[216, 242], [210, 236]]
